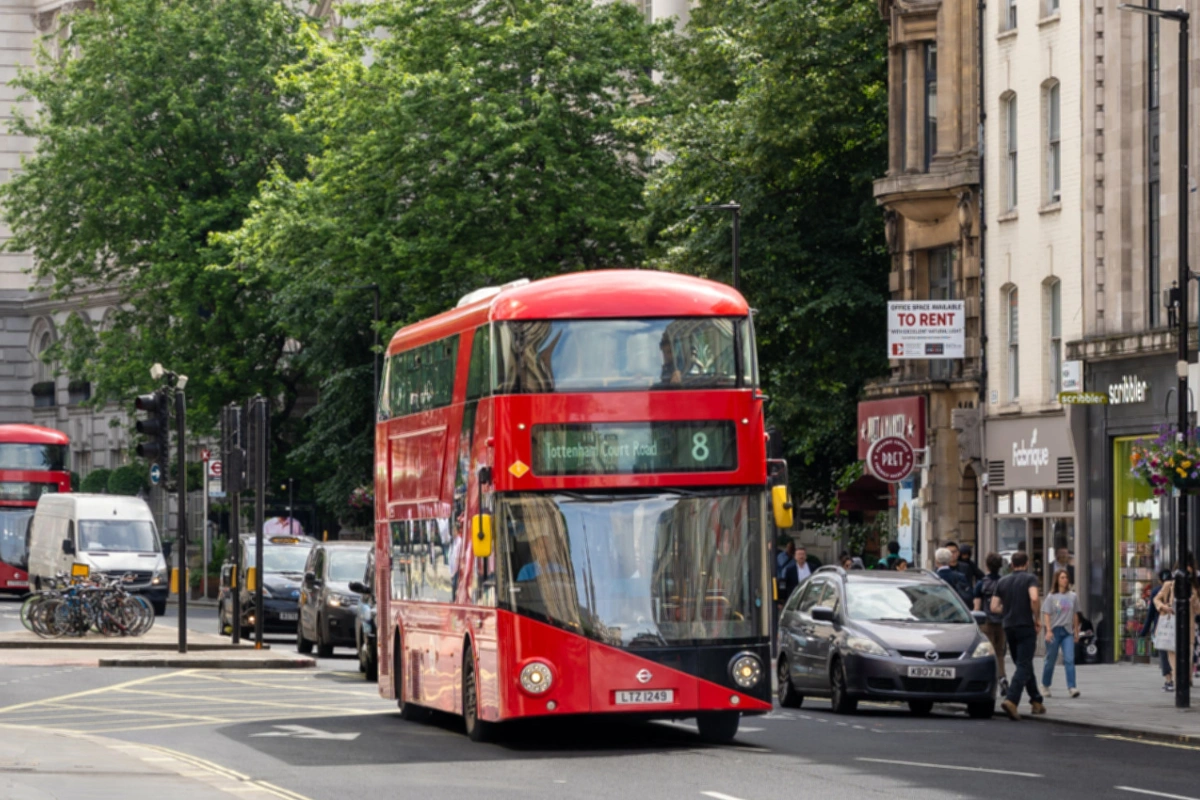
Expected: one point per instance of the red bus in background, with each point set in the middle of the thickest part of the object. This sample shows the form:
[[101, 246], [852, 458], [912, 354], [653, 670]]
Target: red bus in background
[[573, 506], [33, 462]]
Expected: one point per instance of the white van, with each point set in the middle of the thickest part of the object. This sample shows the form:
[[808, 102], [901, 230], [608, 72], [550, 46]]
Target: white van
[[113, 535]]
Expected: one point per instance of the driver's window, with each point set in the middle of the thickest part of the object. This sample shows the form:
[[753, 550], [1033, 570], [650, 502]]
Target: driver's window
[[830, 597], [811, 593]]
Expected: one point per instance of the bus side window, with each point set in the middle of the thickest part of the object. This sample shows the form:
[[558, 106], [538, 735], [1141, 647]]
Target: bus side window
[[479, 375], [384, 410]]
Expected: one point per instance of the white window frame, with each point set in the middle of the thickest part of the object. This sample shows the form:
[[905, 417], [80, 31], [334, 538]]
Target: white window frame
[[1012, 302], [1053, 143], [1012, 183]]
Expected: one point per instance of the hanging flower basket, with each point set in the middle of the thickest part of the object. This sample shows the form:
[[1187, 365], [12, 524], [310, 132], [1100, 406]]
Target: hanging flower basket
[[1168, 461]]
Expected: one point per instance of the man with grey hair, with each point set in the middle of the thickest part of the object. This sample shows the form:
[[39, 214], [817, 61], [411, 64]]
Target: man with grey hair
[[957, 581]]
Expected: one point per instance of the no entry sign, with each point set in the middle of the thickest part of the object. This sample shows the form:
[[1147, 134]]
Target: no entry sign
[[891, 459]]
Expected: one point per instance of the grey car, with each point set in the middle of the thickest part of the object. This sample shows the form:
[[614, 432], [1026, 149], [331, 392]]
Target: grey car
[[328, 607], [881, 635]]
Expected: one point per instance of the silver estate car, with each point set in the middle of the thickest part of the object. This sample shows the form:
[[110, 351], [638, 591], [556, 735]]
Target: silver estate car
[[882, 635]]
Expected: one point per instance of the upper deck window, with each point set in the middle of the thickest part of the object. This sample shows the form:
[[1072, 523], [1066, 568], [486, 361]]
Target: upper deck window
[[621, 355], [33, 456]]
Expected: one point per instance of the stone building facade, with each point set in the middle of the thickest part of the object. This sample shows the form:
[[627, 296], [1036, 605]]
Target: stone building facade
[[930, 201]]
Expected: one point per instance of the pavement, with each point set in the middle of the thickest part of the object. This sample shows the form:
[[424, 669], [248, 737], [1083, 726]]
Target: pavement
[[1123, 699], [39, 764]]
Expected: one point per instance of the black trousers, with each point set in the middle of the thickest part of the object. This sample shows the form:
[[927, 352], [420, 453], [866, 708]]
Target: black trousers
[[1022, 645]]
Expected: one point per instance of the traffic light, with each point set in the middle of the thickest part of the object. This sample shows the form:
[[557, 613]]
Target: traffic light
[[156, 428]]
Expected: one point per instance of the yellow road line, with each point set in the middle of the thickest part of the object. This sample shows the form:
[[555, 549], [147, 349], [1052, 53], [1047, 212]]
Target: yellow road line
[[200, 762], [288, 794], [119, 686]]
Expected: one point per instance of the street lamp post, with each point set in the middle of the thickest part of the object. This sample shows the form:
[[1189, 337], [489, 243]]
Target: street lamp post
[[735, 210], [1183, 668]]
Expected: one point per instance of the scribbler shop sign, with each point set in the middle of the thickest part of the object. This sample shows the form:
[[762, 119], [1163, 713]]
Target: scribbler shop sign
[[926, 329], [891, 459]]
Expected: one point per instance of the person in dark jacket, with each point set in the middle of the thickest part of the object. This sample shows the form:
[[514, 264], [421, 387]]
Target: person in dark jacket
[[952, 576], [794, 574], [889, 562], [968, 567]]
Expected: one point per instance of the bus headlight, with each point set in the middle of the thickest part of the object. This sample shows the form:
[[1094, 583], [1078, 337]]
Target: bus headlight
[[536, 678], [746, 670]]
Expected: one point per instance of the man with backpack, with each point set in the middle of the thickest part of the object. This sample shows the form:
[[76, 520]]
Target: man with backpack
[[993, 629]]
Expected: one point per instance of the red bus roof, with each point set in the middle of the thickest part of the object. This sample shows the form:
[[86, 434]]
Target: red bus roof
[[31, 434], [600, 294]]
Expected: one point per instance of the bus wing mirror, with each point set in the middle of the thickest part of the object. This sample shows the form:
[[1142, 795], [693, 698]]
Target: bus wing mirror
[[68, 547], [782, 506], [251, 579], [481, 535]]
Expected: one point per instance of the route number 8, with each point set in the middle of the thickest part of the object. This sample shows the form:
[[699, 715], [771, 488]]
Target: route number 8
[[700, 447]]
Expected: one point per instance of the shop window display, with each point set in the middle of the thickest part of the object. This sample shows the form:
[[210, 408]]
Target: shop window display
[[1138, 532]]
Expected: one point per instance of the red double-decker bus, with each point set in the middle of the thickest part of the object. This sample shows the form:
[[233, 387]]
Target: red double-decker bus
[[573, 505], [33, 462]]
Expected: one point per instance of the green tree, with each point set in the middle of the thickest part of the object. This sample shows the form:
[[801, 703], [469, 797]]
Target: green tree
[[155, 123], [96, 481], [128, 480], [464, 143], [782, 107]]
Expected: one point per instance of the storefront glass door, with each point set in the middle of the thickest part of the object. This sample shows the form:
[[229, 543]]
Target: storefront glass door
[[1137, 529]]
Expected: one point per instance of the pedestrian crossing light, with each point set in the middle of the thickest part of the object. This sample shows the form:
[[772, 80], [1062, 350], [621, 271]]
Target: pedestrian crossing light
[[155, 428]]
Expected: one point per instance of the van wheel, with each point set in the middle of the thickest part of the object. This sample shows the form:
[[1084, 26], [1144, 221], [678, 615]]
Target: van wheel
[[408, 711], [477, 729], [324, 650], [160, 608]]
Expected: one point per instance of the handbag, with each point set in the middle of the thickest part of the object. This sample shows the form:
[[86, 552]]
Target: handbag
[[1164, 633]]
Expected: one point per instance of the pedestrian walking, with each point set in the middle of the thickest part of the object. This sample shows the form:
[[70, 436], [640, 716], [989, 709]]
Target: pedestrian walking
[[1017, 598], [993, 628], [1164, 634], [889, 561], [1149, 628], [968, 567], [950, 575], [1060, 614], [794, 574], [787, 552]]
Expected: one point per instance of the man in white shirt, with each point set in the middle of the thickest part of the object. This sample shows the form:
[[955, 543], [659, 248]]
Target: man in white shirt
[[795, 573]]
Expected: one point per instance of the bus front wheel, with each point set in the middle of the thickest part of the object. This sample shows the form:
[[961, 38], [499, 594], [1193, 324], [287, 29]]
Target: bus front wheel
[[719, 726], [477, 730]]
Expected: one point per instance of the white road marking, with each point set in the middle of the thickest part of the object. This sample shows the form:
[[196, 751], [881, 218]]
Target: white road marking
[[720, 796], [1135, 740], [1136, 790], [956, 767], [302, 732]]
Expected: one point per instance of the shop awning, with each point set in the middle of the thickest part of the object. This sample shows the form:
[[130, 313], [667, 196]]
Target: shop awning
[[868, 493]]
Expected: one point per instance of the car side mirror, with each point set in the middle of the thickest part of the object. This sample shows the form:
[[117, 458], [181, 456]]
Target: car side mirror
[[68, 547], [310, 580], [358, 588], [980, 617], [823, 614]]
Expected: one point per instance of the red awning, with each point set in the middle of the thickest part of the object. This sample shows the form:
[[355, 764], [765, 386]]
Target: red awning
[[868, 493]]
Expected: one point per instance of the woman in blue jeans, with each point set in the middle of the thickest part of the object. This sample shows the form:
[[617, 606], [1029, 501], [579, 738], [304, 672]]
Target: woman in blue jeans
[[1061, 615]]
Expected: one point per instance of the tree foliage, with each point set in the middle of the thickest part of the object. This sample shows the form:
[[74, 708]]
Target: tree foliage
[[155, 123], [781, 106]]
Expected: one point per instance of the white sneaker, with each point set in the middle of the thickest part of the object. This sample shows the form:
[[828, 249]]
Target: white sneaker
[[1073, 692], [1045, 691]]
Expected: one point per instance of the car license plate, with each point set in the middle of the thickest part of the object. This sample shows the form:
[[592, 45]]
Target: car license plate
[[931, 672], [635, 697], [290, 616]]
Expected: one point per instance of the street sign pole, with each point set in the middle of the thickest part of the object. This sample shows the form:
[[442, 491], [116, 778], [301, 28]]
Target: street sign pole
[[204, 519], [181, 539]]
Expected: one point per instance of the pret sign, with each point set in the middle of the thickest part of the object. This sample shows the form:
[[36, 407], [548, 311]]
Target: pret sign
[[926, 329], [891, 459]]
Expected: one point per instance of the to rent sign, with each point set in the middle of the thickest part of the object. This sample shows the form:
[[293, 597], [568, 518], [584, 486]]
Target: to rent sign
[[926, 329]]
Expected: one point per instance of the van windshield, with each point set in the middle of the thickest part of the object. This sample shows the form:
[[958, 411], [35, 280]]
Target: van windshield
[[117, 536]]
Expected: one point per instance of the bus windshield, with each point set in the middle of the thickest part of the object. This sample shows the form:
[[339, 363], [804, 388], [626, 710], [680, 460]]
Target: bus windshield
[[645, 570], [33, 456], [14, 526], [622, 355], [117, 536]]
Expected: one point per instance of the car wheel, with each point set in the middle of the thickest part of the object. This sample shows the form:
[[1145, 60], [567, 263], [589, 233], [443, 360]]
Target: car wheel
[[360, 650], [372, 663], [302, 645], [984, 709], [788, 696], [920, 708], [718, 727], [477, 729], [160, 609], [324, 650], [839, 696], [408, 711]]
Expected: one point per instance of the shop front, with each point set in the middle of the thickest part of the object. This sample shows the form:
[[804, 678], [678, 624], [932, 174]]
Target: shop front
[[1031, 493], [1132, 531]]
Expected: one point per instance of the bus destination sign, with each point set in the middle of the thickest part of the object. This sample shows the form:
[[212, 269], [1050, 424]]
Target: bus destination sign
[[625, 448]]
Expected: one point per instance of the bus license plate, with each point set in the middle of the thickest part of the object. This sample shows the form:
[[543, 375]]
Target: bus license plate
[[288, 616], [931, 672], [635, 697], [18, 583]]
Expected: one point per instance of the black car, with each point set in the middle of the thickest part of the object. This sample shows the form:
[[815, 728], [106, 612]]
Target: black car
[[284, 558], [882, 635], [328, 608], [364, 630]]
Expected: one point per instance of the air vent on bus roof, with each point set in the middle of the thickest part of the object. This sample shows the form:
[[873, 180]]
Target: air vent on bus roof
[[489, 291]]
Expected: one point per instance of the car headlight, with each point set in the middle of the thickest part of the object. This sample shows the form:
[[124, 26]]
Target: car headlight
[[746, 670], [335, 599], [983, 650], [861, 644], [536, 678]]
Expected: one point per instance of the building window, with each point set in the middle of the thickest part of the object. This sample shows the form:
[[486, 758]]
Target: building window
[[1051, 7], [941, 287], [1010, 16], [1010, 110], [1054, 300], [930, 102], [1053, 146], [1014, 361]]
